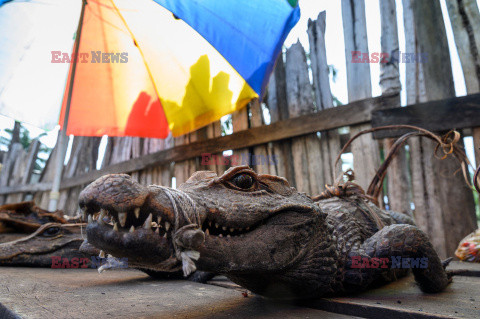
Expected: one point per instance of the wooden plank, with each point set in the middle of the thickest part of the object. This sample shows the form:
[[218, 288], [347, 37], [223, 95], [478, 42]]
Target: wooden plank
[[467, 268], [366, 155], [261, 151], [465, 20], [278, 108], [73, 293], [355, 34], [437, 116], [108, 152], [19, 158], [179, 170], [240, 122], [32, 158], [398, 187], [330, 144], [300, 102], [192, 163], [444, 206], [8, 167], [354, 113], [403, 299], [83, 158]]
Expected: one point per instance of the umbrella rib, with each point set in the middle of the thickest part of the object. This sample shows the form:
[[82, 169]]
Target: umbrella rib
[[140, 50]]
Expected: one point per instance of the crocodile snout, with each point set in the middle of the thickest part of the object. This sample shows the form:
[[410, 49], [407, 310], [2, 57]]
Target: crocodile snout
[[119, 191]]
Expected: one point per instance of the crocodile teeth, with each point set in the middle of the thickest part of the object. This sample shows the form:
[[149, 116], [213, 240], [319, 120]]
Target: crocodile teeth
[[210, 224], [122, 218], [216, 225], [157, 231], [207, 232], [167, 226], [132, 229], [115, 226], [220, 235], [224, 228], [148, 222], [137, 212], [103, 212], [231, 230], [159, 219], [84, 213], [90, 219], [102, 254], [165, 235], [228, 236]]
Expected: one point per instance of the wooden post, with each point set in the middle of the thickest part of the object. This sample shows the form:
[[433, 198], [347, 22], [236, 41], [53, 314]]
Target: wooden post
[[31, 159], [23, 169], [260, 152], [465, 19], [444, 206], [277, 105], [366, 155], [180, 170], [7, 176], [300, 102], [42, 198], [239, 123], [15, 134], [330, 144], [399, 188], [83, 158], [215, 130], [159, 175]]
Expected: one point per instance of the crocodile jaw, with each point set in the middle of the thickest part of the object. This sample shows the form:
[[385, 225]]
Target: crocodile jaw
[[275, 245]]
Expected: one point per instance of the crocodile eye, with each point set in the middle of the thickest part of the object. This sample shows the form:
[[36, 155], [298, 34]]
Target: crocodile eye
[[243, 181], [52, 231]]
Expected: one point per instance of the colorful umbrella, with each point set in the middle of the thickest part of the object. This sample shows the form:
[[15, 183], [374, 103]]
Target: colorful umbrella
[[148, 67]]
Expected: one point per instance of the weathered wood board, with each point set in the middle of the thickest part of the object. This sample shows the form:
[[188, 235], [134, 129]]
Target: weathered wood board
[[458, 112], [403, 299], [83, 293]]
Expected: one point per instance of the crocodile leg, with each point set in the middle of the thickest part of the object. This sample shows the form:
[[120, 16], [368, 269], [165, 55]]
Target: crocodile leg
[[398, 241]]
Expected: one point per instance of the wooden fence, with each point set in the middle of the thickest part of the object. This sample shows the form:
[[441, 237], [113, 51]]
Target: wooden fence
[[304, 133]]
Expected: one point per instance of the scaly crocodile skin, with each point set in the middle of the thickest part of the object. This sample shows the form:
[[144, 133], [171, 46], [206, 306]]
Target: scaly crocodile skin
[[257, 230]]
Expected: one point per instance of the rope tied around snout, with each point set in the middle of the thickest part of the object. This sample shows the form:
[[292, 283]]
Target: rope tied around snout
[[188, 237]]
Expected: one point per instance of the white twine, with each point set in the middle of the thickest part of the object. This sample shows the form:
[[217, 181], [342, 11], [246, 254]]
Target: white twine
[[186, 206]]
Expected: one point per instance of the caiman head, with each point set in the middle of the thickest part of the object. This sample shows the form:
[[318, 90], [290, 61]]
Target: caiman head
[[38, 248], [254, 228]]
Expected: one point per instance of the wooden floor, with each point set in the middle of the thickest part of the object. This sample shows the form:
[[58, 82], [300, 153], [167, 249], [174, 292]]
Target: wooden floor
[[83, 293]]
